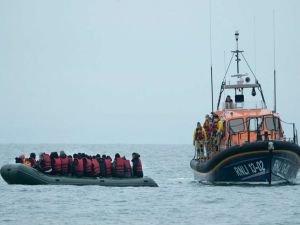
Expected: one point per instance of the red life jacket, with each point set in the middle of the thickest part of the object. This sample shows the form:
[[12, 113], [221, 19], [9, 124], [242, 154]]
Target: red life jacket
[[47, 161], [120, 169], [108, 167], [215, 127], [80, 170], [128, 168], [64, 165], [96, 167], [57, 165], [87, 166], [199, 134]]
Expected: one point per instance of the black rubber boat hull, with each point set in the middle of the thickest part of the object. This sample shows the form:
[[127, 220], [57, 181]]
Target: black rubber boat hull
[[21, 174], [269, 162]]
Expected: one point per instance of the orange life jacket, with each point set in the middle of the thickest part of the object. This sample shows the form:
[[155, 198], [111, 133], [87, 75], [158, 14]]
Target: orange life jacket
[[108, 167], [128, 168], [96, 167], [120, 167], [64, 165]]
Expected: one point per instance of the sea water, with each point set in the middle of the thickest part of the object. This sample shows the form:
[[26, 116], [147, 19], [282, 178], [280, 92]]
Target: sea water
[[177, 200]]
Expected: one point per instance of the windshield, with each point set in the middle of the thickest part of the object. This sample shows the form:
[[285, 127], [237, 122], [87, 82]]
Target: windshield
[[254, 124], [272, 122], [236, 125]]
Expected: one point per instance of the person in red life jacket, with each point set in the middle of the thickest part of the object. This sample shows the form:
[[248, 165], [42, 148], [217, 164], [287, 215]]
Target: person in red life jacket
[[108, 166], [32, 160], [55, 163], [118, 166], [95, 167], [77, 167], [70, 164], [127, 167], [87, 165], [20, 159], [101, 161], [64, 163], [44, 163], [137, 169]]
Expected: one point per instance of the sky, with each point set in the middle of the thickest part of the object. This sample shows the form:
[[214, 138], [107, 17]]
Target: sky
[[132, 71]]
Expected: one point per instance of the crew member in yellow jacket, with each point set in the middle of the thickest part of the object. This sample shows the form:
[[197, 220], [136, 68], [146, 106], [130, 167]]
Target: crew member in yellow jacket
[[199, 139]]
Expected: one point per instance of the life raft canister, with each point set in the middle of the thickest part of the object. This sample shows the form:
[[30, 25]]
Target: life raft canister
[[127, 168], [120, 167], [64, 165], [108, 167], [96, 167]]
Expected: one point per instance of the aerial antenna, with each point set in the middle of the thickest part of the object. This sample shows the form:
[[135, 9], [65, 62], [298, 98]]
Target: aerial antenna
[[274, 51], [254, 42], [211, 72]]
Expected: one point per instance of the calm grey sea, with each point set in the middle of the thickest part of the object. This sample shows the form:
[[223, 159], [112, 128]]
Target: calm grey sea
[[177, 200]]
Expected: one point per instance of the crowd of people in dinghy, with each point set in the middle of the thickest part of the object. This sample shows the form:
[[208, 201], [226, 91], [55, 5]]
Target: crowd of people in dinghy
[[81, 164]]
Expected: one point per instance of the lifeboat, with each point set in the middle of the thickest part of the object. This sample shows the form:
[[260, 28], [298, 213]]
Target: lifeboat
[[20, 174], [252, 147]]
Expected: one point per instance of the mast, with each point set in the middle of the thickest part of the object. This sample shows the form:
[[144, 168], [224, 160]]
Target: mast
[[211, 70], [274, 61]]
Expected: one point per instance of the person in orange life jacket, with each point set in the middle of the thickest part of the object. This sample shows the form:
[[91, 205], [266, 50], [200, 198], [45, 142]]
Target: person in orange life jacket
[[95, 166], [55, 163], [87, 164], [137, 169], [199, 138], [64, 162], [44, 163], [77, 167], [101, 164], [127, 167], [108, 166], [70, 164], [118, 166], [32, 160]]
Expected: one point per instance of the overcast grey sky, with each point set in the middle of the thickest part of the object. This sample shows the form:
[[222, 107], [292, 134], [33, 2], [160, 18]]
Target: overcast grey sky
[[132, 71]]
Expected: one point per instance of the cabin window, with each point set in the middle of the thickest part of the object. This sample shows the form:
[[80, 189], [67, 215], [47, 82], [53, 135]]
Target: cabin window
[[272, 122], [236, 125], [254, 124]]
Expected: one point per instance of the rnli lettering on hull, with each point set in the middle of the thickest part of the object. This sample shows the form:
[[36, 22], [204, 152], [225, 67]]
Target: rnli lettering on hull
[[249, 168], [281, 167]]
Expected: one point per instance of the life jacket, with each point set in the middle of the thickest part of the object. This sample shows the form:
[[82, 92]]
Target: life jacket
[[96, 167], [47, 162], [199, 134], [108, 167], [64, 165], [80, 169], [215, 127], [57, 165], [120, 167], [127, 168], [87, 166]]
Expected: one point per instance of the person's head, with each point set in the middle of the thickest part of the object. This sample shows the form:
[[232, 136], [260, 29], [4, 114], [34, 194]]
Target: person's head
[[198, 125], [62, 154], [103, 156], [228, 97], [32, 155], [207, 117], [117, 155]]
